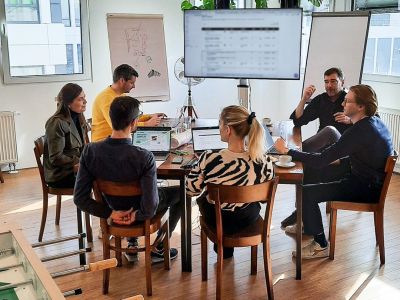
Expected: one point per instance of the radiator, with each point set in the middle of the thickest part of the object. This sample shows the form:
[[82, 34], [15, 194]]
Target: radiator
[[8, 141], [391, 117]]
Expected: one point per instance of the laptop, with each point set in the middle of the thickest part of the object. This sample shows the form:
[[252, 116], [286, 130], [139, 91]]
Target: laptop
[[155, 139], [207, 138]]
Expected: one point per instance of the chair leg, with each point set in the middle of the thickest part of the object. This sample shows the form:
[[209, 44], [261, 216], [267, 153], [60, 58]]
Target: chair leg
[[268, 269], [220, 260], [88, 225], [167, 256], [253, 260], [204, 256], [44, 215], [328, 207], [1, 177], [332, 233], [379, 232], [148, 262], [118, 252], [58, 210], [106, 255]]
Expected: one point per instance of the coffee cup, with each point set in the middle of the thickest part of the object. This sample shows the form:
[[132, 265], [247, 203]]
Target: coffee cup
[[285, 159]]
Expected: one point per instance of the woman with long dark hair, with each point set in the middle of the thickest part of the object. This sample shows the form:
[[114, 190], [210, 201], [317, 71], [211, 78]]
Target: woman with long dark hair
[[65, 137]]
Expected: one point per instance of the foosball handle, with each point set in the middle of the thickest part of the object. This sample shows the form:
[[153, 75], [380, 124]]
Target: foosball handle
[[103, 264]]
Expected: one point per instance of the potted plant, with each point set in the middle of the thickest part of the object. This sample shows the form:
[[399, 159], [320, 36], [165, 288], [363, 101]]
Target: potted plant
[[213, 4]]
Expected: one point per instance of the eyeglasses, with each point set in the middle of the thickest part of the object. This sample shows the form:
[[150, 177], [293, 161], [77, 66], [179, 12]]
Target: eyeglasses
[[138, 115], [347, 101]]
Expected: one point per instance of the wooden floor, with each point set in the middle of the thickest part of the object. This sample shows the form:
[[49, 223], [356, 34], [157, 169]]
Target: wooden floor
[[354, 274]]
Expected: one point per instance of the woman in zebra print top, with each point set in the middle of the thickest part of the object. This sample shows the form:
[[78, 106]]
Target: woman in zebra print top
[[236, 165]]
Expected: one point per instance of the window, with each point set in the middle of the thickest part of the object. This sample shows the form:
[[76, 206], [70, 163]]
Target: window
[[22, 11], [57, 43], [60, 12], [382, 56]]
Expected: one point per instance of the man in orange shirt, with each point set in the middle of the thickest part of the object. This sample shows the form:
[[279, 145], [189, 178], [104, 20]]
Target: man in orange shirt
[[124, 79]]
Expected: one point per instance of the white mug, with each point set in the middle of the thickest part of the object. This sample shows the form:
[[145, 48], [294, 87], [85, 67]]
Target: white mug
[[285, 159]]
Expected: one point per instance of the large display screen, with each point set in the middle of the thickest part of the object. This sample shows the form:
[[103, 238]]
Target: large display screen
[[243, 43]]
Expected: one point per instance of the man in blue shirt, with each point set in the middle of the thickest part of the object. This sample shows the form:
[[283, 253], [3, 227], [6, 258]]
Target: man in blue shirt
[[366, 146], [116, 159], [327, 108]]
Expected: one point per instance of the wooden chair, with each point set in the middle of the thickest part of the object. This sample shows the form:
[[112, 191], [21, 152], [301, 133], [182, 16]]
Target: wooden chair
[[146, 228], [376, 208], [249, 236], [38, 149]]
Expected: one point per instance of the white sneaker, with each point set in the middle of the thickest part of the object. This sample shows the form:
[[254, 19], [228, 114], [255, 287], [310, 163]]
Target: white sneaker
[[292, 229], [313, 250]]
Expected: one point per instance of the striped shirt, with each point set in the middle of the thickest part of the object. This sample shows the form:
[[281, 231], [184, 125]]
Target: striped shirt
[[228, 168]]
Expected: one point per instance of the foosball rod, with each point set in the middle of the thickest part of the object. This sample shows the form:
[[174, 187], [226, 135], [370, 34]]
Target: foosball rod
[[10, 267], [65, 254], [15, 285], [72, 292], [59, 240], [6, 251], [92, 267]]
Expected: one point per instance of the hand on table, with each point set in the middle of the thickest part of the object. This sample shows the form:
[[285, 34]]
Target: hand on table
[[281, 146]]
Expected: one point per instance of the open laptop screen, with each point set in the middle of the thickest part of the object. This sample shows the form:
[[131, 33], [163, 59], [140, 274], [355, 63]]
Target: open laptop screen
[[154, 139], [207, 138]]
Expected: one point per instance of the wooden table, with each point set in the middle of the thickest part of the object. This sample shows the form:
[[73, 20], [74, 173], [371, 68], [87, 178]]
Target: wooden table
[[167, 170]]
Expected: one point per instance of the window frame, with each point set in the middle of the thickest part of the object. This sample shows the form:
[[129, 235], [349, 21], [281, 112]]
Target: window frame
[[378, 77], [85, 46], [26, 5]]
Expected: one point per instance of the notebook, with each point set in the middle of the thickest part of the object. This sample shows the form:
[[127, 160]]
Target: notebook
[[207, 138], [155, 139]]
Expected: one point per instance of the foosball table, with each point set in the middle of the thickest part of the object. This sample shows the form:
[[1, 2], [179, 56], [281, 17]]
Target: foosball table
[[22, 274]]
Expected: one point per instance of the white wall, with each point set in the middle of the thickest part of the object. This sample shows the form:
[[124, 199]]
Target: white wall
[[35, 102]]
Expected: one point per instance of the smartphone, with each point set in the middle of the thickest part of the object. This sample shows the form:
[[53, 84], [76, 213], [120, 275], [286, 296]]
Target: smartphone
[[177, 159]]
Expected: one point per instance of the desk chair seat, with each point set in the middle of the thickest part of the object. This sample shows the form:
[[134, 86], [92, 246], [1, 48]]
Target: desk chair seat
[[59, 192], [146, 228], [376, 208], [252, 235]]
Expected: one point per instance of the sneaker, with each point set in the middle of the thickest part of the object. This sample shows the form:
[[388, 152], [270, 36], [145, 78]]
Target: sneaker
[[313, 250], [157, 255], [132, 257], [292, 229], [291, 220]]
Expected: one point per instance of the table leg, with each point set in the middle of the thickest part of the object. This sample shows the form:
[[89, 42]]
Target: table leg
[[299, 200], [188, 201], [185, 237], [81, 241]]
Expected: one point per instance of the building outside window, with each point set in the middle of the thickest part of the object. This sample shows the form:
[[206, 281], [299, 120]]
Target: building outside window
[[382, 55], [22, 11], [51, 32]]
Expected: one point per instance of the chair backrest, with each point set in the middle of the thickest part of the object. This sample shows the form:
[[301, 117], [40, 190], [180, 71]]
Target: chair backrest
[[389, 167], [112, 188], [88, 129], [39, 149], [263, 192]]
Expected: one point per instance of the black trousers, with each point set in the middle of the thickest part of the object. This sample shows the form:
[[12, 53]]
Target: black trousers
[[350, 189], [66, 182], [232, 221]]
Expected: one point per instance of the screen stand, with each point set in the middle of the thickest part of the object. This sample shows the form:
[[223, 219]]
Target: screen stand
[[189, 107], [244, 93]]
